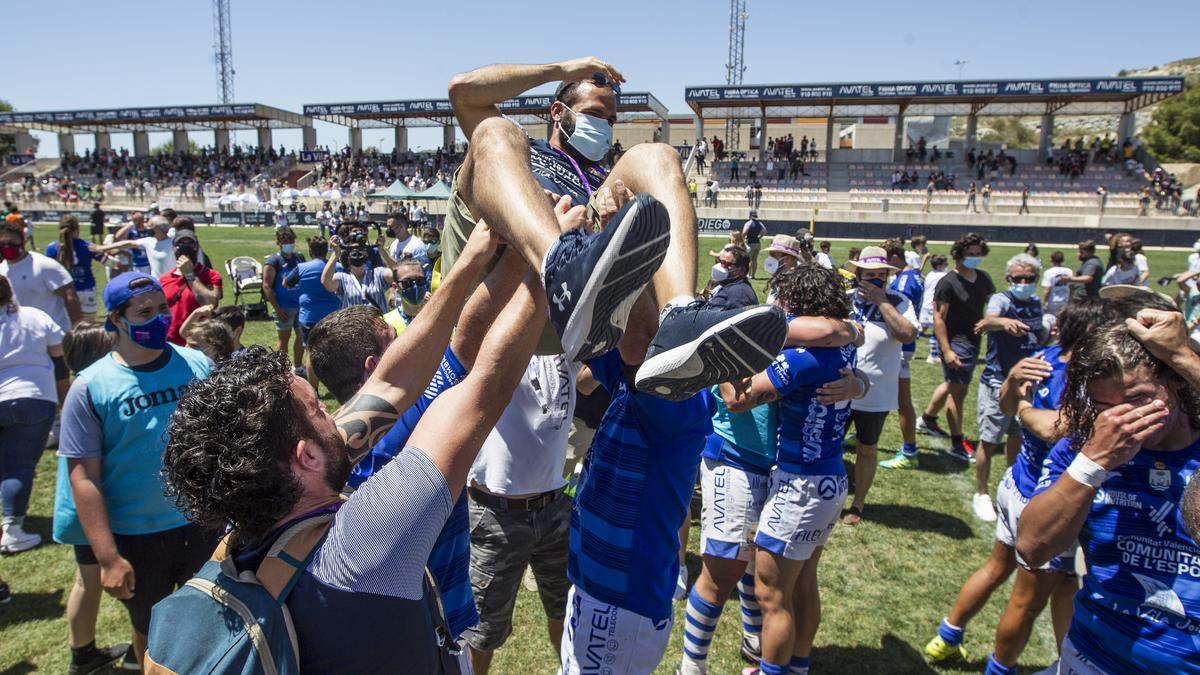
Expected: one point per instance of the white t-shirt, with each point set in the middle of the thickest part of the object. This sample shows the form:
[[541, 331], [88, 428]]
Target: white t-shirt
[[527, 450], [931, 282], [161, 254], [34, 280], [1060, 293], [1194, 262], [25, 367], [408, 248], [912, 259], [1141, 263], [1116, 275], [879, 357], [825, 260]]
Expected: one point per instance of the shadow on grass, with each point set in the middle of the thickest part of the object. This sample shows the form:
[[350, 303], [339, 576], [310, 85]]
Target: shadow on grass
[[19, 669], [33, 606], [40, 525], [893, 655], [905, 517], [940, 462]]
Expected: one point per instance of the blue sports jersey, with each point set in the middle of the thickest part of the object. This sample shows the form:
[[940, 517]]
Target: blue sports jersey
[[316, 302], [1139, 608], [745, 440], [450, 559], [911, 284], [288, 298], [810, 432], [1028, 467], [137, 253], [633, 494], [81, 271], [1004, 350]]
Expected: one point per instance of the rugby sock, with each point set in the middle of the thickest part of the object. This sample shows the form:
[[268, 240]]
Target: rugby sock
[[994, 667], [951, 634], [702, 617], [909, 449], [799, 666], [934, 350], [751, 612], [767, 668]]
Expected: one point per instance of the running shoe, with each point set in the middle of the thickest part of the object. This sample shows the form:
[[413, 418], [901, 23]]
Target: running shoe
[[16, 540], [697, 346], [969, 447], [959, 452], [98, 659], [982, 505], [900, 461], [937, 650], [751, 653], [930, 428], [592, 280]]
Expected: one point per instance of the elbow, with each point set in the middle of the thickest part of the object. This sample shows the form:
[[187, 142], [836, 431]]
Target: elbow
[[907, 335], [1032, 551]]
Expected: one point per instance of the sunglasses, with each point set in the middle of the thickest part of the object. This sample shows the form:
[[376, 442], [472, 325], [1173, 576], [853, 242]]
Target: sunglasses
[[410, 283], [602, 80], [1023, 279]]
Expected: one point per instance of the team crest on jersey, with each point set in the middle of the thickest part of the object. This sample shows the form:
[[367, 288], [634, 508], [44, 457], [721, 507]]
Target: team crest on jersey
[[1160, 477]]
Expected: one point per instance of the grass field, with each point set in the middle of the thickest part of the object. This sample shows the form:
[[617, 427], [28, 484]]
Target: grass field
[[885, 584]]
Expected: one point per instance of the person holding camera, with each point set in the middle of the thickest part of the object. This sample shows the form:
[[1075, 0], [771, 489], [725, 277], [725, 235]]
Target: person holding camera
[[190, 285], [358, 283]]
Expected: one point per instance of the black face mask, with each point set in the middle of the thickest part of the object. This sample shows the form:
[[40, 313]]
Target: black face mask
[[191, 252], [356, 258]]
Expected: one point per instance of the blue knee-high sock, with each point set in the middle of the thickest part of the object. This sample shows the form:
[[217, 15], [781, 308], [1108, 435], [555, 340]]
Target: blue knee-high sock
[[751, 611], [702, 617], [798, 666], [951, 635], [934, 350], [995, 668], [768, 668]]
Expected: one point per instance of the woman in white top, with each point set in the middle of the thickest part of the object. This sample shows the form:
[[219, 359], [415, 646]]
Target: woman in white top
[[1124, 271], [358, 284], [30, 363]]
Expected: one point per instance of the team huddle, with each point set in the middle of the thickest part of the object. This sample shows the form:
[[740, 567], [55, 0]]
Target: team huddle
[[415, 507]]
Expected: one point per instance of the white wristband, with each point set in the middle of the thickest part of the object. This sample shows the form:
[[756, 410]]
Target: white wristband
[[1085, 471]]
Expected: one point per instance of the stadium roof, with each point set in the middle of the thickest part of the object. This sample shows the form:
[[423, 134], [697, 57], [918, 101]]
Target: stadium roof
[[1097, 96], [437, 112], [163, 118]]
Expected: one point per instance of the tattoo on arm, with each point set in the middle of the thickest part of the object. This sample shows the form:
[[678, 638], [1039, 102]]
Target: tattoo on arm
[[363, 421], [767, 397]]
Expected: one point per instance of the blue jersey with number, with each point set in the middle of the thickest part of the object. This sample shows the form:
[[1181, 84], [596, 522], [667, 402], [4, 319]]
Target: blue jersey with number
[[810, 432], [1028, 467], [1139, 609], [633, 494], [911, 285]]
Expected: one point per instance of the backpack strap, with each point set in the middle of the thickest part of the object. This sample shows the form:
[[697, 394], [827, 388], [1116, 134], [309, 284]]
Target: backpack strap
[[448, 649], [291, 554]]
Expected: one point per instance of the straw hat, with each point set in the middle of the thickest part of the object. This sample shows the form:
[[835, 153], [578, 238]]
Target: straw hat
[[1119, 291], [873, 258], [784, 243]]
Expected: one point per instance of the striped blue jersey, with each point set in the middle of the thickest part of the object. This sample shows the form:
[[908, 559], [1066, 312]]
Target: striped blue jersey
[[810, 432], [450, 559], [1028, 467], [1139, 609], [634, 491], [911, 285]]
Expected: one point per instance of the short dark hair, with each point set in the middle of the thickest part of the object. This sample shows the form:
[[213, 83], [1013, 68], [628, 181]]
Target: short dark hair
[[230, 442], [284, 233], [1087, 245], [741, 257], [937, 260], [894, 247], [233, 316], [12, 228], [318, 247], [398, 215], [808, 289], [1056, 257], [170, 214], [568, 92], [183, 223], [340, 343], [958, 250], [85, 344], [215, 335], [919, 239]]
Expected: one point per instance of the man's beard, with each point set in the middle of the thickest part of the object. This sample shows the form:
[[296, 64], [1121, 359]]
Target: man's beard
[[337, 461]]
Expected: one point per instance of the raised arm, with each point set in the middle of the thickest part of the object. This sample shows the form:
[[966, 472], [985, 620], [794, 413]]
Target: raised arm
[[328, 280], [408, 365], [475, 95]]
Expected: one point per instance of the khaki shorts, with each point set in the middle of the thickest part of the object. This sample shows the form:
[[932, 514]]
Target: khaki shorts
[[457, 229]]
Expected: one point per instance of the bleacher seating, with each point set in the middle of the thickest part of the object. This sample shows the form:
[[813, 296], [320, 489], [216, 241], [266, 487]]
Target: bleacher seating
[[815, 176]]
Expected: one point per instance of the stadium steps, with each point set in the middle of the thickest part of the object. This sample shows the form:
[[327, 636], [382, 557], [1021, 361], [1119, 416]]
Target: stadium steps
[[838, 179]]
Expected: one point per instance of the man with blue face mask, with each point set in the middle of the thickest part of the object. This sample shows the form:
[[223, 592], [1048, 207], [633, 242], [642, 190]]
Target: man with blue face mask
[[958, 303], [646, 238], [1016, 327], [410, 289], [109, 502]]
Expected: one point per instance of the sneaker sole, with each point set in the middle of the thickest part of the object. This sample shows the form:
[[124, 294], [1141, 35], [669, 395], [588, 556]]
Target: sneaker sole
[[19, 548], [633, 255], [739, 346]]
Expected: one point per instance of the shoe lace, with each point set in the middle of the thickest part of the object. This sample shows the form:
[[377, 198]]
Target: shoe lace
[[569, 246]]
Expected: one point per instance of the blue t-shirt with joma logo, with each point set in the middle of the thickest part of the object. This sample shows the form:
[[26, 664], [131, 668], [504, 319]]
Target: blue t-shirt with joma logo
[[119, 414]]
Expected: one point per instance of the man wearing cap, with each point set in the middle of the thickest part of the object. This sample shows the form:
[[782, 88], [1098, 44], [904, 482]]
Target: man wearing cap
[[109, 501], [753, 230], [190, 285], [889, 321]]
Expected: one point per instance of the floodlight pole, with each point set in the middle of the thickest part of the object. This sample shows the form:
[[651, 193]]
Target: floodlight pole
[[735, 65], [223, 50]]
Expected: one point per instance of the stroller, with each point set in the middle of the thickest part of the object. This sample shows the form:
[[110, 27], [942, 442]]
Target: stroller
[[246, 274]]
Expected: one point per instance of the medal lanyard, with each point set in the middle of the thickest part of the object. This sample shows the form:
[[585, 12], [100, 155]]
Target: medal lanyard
[[578, 171]]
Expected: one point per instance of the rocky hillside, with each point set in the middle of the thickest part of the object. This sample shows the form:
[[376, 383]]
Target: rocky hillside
[[1090, 126]]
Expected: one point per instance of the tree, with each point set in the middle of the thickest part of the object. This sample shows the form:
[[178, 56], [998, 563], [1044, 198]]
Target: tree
[[1173, 134], [168, 148], [8, 143]]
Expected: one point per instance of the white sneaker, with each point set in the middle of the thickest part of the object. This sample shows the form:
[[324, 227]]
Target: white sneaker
[[932, 360], [983, 508], [16, 540]]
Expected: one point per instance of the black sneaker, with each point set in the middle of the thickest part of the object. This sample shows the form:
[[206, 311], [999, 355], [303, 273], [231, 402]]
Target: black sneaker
[[750, 654], [99, 659], [129, 661], [5, 594], [697, 346], [593, 280]]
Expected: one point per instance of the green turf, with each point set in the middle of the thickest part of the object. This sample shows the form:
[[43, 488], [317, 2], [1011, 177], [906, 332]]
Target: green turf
[[885, 584]]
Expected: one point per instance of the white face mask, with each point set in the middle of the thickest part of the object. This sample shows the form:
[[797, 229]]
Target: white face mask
[[719, 273], [592, 136], [771, 265]]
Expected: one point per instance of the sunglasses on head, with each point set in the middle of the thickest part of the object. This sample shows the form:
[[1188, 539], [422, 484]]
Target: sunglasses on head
[[602, 80]]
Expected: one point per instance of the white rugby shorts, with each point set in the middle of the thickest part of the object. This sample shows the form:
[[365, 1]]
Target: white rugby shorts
[[800, 513], [733, 501], [607, 640], [1009, 505]]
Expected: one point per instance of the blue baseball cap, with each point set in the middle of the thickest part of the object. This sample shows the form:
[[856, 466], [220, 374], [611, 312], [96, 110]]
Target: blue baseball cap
[[118, 292]]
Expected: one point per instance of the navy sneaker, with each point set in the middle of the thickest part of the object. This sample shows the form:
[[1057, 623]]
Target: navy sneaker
[[593, 280], [959, 452], [697, 346], [98, 659]]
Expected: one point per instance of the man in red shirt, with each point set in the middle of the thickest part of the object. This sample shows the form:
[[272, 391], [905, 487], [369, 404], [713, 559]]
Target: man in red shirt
[[190, 285]]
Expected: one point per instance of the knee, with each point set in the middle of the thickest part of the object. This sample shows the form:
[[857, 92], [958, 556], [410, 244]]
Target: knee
[[493, 133], [658, 155]]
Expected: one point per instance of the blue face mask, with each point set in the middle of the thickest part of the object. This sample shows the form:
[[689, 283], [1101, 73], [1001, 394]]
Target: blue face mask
[[431, 248], [1022, 291], [972, 261], [592, 136], [287, 249], [152, 333], [414, 294], [877, 283]]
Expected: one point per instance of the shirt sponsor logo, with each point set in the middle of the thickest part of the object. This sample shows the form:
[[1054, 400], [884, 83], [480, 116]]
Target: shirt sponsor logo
[[152, 399]]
